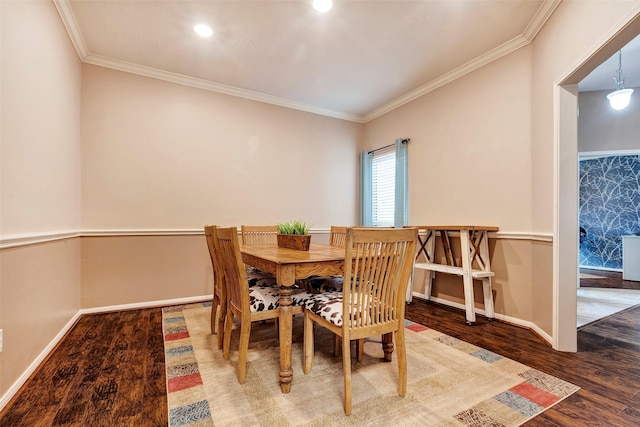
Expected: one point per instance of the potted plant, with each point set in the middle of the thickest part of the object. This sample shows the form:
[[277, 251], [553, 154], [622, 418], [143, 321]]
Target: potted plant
[[294, 235]]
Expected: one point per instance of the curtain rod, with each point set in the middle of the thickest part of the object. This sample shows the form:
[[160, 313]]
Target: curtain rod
[[404, 141]]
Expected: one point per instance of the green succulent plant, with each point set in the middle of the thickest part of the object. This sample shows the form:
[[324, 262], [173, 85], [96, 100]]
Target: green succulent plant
[[295, 227]]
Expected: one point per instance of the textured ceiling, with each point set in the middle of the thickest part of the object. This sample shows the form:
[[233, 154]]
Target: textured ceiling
[[357, 61]]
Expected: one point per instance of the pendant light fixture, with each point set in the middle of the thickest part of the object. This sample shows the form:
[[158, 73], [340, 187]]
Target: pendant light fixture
[[621, 97]]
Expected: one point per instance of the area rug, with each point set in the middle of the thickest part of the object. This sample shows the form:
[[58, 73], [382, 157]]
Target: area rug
[[450, 382]]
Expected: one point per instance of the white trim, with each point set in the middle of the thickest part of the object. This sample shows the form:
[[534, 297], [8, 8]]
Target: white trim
[[512, 320], [517, 235], [17, 240], [22, 379], [146, 304], [586, 155], [142, 232], [181, 79], [36, 362], [71, 25], [588, 267]]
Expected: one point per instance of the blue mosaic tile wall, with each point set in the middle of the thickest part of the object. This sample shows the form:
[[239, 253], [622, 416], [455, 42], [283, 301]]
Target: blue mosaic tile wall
[[609, 208]]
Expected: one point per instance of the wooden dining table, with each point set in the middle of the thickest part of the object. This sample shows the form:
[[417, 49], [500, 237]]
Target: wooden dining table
[[288, 266]]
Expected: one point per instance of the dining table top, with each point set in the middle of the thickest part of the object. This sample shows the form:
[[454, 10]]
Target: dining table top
[[275, 254]]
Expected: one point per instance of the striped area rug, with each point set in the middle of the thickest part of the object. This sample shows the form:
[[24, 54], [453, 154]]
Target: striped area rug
[[450, 382]]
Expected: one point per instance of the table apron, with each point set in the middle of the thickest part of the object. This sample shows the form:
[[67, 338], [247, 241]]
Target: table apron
[[324, 268], [287, 274]]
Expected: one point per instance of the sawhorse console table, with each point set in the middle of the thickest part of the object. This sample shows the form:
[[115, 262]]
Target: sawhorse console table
[[474, 251]]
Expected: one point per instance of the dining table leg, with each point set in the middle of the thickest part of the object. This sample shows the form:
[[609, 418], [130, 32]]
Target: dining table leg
[[387, 346], [286, 338], [285, 278]]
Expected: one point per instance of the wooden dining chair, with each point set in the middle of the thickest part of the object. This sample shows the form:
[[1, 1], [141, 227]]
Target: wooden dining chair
[[316, 284], [219, 303], [248, 304], [259, 234], [377, 269], [337, 236]]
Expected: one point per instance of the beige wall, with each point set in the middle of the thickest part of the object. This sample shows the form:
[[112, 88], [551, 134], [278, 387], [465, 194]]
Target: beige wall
[[133, 269], [601, 128], [572, 34], [574, 30], [511, 290], [470, 163], [40, 295], [161, 156], [468, 156], [158, 155], [40, 181], [164, 157], [482, 151]]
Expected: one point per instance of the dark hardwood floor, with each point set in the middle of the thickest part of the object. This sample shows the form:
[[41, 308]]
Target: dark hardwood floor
[[109, 370], [590, 278]]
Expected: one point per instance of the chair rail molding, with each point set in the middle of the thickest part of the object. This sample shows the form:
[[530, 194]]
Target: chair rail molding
[[26, 239]]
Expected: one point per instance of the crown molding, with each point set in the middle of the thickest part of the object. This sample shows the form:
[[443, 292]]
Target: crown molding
[[215, 87], [545, 11], [71, 25]]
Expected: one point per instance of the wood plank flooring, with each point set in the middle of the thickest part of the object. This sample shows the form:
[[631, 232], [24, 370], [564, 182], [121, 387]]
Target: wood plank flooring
[[109, 370], [605, 279]]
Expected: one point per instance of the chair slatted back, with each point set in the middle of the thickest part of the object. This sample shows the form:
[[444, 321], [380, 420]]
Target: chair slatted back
[[259, 234], [229, 257], [378, 265], [338, 236]]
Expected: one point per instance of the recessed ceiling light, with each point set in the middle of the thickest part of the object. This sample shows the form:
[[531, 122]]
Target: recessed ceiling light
[[203, 30], [322, 5]]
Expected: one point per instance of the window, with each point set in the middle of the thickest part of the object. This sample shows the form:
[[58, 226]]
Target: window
[[383, 183], [383, 186]]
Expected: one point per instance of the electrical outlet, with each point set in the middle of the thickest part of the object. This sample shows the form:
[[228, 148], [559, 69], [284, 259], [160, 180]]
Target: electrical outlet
[[0, 340]]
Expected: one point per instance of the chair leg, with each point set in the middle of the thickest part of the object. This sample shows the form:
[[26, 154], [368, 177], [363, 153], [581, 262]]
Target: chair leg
[[346, 366], [228, 324], [402, 361], [221, 323], [308, 344], [245, 331], [214, 313], [360, 349]]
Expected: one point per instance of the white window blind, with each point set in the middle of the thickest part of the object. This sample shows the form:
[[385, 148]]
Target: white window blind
[[383, 171]]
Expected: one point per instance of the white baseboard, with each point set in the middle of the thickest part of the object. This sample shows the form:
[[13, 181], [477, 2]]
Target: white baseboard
[[146, 304], [512, 320], [617, 270], [15, 387]]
